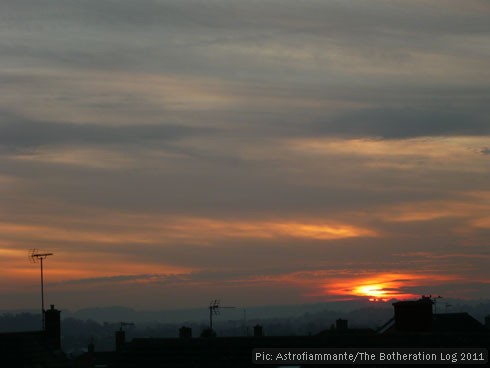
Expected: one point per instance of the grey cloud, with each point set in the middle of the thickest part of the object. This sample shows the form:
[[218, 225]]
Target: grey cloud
[[277, 13], [171, 34], [203, 276], [162, 278], [22, 133], [485, 151], [393, 123], [208, 186]]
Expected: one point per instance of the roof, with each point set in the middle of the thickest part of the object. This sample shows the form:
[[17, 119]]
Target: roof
[[349, 331], [456, 322], [236, 352], [29, 349], [95, 359]]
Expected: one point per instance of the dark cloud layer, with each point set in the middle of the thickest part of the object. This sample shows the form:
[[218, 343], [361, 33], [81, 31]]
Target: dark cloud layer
[[22, 133], [123, 279], [399, 123]]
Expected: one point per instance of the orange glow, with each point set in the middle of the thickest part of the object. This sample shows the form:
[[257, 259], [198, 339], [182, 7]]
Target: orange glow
[[344, 285], [215, 229], [457, 148], [81, 269], [384, 287], [61, 271], [319, 231], [467, 206], [147, 229], [101, 233], [374, 292]]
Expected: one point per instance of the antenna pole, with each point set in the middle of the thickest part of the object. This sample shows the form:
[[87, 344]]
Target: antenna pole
[[34, 256], [43, 327], [214, 307], [244, 321]]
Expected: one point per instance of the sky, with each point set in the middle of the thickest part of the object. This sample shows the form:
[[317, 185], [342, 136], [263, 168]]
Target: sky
[[173, 152]]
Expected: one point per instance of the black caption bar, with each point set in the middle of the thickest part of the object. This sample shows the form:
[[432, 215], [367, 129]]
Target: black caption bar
[[370, 356]]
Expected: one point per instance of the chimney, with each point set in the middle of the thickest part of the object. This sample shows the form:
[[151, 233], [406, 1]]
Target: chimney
[[120, 340], [341, 325], [91, 347], [185, 332], [90, 356], [53, 327], [414, 316], [258, 331]]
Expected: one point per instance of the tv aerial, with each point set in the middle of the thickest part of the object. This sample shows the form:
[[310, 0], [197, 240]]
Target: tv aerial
[[35, 256], [434, 301], [214, 308]]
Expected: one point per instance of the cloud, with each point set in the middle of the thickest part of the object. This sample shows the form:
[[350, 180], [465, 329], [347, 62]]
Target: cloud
[[485, 151], [151, 229], [250, 143], [402, 123], [121, 279], [19, 133]]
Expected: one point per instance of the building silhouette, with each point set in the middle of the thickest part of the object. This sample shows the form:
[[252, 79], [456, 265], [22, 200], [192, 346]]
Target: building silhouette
[[35, 349], [413, 325]]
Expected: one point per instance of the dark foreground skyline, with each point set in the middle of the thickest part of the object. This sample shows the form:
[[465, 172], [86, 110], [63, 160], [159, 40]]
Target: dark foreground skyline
[[413, 327]]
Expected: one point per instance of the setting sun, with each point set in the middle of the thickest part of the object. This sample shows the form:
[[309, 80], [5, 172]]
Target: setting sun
[[382, 287], [374, 292]]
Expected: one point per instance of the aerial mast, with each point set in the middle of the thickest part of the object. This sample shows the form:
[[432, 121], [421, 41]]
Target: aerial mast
[[214, 308], [34, 257]]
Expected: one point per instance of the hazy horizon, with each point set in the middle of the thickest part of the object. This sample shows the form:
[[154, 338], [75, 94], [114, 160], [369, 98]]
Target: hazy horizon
[[355, 311], [172, 152]]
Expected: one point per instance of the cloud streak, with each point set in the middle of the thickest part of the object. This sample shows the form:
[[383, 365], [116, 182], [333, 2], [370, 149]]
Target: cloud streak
[[402, 123], [34, 134]]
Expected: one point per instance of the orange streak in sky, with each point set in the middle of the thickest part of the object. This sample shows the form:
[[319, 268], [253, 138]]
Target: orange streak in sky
[[147, 229], [17, 271]]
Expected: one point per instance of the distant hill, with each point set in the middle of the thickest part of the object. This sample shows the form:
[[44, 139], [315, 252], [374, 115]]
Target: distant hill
[[348, 309], [118, 313]]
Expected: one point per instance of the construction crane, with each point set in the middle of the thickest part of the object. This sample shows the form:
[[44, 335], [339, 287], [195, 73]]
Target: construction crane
[[214, 308], [35, 256]]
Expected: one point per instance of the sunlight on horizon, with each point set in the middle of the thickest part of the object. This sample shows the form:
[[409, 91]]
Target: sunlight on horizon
[[384, 287]]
